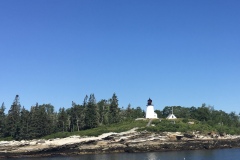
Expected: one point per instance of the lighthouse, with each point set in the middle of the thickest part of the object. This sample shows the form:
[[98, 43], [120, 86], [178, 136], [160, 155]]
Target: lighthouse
[[150, 110]]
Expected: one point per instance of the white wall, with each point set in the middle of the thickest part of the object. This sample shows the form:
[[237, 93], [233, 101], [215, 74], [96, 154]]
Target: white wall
[[150, 112]]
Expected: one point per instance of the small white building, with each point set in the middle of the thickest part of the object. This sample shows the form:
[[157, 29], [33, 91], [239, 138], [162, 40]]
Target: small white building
[[171, 116], [150, 110]]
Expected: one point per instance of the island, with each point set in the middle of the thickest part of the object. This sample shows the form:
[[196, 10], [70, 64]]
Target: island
[[128, 141]]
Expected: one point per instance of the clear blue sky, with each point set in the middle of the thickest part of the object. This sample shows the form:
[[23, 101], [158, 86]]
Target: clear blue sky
[[177, 52]]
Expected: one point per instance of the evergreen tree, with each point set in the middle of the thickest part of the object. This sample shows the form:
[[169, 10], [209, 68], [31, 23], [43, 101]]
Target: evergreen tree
[[129, 112], [114, 116], [13, 119], [42, 120], [234, 119], [51, 118], [106, 113], [62, 120], [85, 101], [138, 113], [80, 114], [193, 112], [2, 120], [24, 123], [92, 114], [159, 113], [73, 117], [36, 124], [103, 108], [203, 113], [77, 117]]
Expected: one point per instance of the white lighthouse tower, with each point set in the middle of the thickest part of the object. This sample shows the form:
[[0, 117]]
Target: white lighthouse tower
[[150, 110]]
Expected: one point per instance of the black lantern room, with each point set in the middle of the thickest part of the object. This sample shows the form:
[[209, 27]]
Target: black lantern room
[[149, 102]]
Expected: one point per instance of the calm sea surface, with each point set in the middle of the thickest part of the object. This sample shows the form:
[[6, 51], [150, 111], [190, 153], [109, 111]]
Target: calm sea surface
[[219, 154]]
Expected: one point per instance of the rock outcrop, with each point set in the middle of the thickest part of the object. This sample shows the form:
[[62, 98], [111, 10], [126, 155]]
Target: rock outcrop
[[130, 141]]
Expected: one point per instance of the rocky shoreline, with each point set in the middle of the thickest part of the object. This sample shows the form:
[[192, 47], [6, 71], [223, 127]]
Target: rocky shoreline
[[130, 141]]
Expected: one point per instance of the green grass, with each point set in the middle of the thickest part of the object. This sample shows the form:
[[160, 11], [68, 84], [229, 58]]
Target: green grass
[[181, 125], [118, 127], [178, 125], [6, 139]]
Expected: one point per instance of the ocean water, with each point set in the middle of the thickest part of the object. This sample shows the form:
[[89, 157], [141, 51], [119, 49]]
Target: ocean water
[[217, 154]]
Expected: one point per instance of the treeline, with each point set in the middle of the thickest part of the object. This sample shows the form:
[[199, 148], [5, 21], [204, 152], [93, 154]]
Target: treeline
[[205, 114], [42, 120]]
